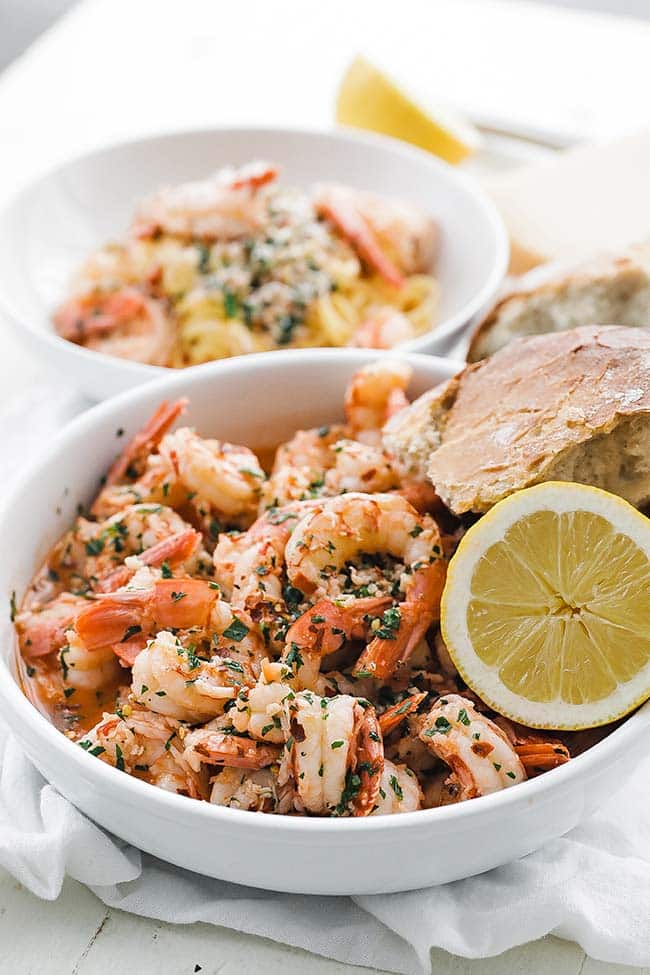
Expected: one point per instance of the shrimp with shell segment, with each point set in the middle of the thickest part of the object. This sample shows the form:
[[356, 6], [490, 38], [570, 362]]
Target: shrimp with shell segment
[[333, 756], [228, 205], [149, 745], [121, 322], [480, 756], [329, 539]]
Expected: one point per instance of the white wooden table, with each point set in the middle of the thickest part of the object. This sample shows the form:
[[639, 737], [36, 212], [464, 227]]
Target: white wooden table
[[117, 68]]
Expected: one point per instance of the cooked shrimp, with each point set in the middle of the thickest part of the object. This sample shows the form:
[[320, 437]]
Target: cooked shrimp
[[258, 580], [333, 756], [227, 206], [341, 206], [257, 711], [178, 551], [226, 477], [136, 530], [299, 466], [124, 620], [406, 236], [132, 463], [150, 745], [385, 329], [42, 630], [122, 323], [329, 464], [374, 394], [330, 538], [84, 668], [213, 745], [323, 630], [399, 790], [360, 467], [171, 679], [244, 789], [477, 751]]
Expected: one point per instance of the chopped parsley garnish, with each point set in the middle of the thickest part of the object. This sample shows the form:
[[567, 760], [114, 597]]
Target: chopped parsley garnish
[[389, 624], [166, 571], [294, 657], [230, 303], [292, 596], [234, 665], [94, 546], [416, 531], [463, 717], [236, 631], [396, 787], [337, 744], [119, 758], [177, 596], [350, 790], [69, 691]]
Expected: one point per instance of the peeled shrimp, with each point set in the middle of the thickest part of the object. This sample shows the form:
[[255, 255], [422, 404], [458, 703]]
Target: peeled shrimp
[[323, 630], [375, 394], [122, 323], [384, 329], [477, 751], [214, 745], [238, 788], [405, 236], [41, 630], [137, 741], [226, 477], [224, 207], [343, 528], [138, 529], [399, 790], [87, 669], [171, 679], [333, 756]]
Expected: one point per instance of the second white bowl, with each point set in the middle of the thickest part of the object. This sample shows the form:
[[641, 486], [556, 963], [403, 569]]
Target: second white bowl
[[52, 225]]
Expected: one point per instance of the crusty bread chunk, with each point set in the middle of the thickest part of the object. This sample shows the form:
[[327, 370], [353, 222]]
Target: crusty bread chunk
[[573, 406], [614, 290]]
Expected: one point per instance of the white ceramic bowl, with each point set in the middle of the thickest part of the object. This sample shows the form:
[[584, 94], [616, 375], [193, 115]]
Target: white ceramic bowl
[[261, 400], [50, 227]]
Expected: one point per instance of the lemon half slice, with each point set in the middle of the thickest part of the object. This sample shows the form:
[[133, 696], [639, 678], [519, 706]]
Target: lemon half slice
[[546, 610], [368, 99]]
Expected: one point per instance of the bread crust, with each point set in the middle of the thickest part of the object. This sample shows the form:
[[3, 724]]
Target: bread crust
[[524, 416], [614, 290]]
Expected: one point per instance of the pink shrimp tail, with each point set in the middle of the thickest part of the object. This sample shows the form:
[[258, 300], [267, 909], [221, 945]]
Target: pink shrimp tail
[[147, 438], [254, 176]]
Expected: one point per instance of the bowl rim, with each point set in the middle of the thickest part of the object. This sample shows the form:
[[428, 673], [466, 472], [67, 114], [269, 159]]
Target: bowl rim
[[176, 807], [345, 135]]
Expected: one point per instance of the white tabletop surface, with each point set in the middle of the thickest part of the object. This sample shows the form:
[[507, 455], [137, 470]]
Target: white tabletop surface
[[118, 68]]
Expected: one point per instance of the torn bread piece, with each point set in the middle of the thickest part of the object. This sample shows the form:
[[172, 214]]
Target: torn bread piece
[[611, 290], [573, 406]]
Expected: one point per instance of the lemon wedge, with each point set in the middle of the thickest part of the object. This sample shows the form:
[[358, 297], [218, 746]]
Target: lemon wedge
[[546, 610], [368, 99]]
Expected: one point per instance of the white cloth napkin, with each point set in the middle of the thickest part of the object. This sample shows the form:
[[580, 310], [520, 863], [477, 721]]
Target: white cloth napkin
[[591, 886]]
